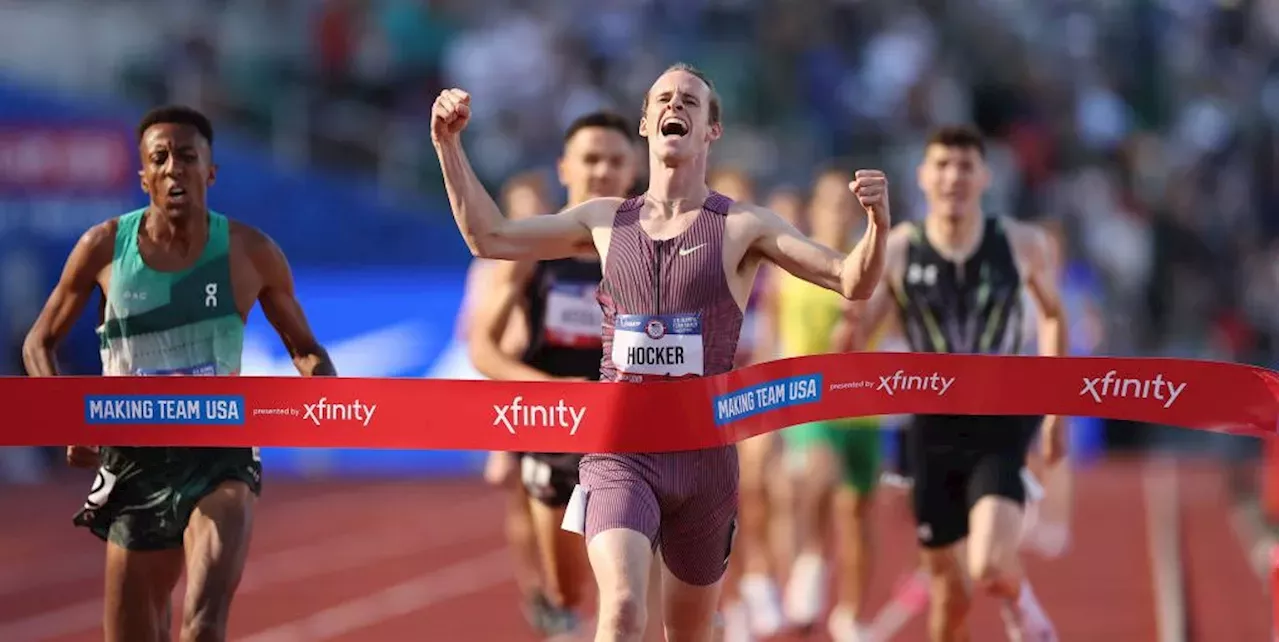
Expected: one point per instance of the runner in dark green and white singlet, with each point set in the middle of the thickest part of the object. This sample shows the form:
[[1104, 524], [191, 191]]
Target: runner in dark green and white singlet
[[178, 282]]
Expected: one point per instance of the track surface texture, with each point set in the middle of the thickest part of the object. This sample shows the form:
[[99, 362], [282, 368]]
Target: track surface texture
[[400, 561]]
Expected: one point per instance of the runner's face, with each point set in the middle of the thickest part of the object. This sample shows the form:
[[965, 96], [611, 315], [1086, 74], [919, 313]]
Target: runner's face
[[597, 162], [176, 168], [953, 179], [677, 119]]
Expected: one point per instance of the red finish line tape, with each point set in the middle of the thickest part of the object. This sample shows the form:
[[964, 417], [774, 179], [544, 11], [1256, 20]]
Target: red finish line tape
[[436, 414]]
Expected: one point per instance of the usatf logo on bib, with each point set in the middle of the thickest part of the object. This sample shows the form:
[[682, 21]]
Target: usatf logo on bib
[[655, 329]]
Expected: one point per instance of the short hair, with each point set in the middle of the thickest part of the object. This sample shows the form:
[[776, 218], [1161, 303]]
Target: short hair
[[963, 136], [177, 115], [602, 119], [713, 108]]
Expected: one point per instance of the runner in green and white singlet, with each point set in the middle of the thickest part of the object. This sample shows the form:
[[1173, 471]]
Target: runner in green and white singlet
[[178, 281]]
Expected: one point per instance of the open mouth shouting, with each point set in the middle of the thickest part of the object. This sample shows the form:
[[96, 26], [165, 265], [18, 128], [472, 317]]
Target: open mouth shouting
[[673, 128]]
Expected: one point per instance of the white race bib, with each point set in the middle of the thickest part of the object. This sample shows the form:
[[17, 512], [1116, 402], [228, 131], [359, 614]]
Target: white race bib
[[572, 318], [667, 345]]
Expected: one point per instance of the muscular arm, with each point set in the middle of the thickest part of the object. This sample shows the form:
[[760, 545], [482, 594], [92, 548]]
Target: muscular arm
[[280, 305], [492, 314], [854, 275], [491, 235], [88, 258]]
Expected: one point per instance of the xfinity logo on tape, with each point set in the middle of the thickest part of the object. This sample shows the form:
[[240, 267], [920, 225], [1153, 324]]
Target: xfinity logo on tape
[[1110, 385], [901, 382], [772, 395], [154, 409], [519, 415], [325, 410]]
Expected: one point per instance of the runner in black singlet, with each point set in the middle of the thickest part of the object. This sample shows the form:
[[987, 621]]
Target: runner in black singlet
[[957, 284], [563, 320]]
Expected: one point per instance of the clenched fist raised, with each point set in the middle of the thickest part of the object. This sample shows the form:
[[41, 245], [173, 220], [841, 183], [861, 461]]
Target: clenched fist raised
[[872, 189], [450, 114]]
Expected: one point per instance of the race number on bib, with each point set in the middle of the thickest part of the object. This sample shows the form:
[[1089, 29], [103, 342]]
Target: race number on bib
[[667, 345], [573, 317]]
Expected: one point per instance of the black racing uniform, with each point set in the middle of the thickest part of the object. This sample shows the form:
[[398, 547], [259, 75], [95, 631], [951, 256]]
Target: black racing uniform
[[974, 307], [565, 320]]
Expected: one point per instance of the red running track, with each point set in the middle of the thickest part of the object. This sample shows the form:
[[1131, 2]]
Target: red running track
[[393, 561]]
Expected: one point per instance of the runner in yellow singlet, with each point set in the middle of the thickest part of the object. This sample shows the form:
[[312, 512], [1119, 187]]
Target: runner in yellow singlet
[[836, 463]]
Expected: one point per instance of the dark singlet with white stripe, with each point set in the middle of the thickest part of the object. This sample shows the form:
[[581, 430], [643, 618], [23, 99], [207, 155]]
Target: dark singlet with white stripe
[[668, 309], [974, 307]]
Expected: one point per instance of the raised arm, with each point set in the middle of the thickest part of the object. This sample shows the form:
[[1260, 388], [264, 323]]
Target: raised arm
[[80, 274], [854, 275], [280, 306], [487, 232]]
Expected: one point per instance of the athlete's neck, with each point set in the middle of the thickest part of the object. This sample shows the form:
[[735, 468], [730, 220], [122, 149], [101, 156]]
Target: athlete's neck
[[677, 189], [954, 237], [181, 232]]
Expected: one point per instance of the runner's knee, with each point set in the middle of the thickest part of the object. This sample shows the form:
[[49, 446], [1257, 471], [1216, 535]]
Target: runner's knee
[[621, 559]]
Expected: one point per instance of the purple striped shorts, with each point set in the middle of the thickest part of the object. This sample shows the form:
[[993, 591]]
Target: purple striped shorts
[[685, 502]]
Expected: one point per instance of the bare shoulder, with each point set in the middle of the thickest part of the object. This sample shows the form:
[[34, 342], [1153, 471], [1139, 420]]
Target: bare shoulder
[[101, 236], [744, 212], [899, 239], [250, 239], [96, 247], [1030, 242], [597, 212]]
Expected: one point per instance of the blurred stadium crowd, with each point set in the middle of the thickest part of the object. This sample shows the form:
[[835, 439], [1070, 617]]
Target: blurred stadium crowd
[[1143, 130]]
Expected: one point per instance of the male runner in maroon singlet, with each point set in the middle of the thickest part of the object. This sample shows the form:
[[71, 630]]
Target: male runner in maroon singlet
[[679, 263]]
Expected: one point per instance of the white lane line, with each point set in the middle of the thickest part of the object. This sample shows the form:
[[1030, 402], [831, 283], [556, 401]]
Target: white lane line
[[1160, 481], [470, 576], [353, 550]]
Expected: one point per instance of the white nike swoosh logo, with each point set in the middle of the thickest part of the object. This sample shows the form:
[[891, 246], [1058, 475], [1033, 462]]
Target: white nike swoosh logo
[[684, 251]]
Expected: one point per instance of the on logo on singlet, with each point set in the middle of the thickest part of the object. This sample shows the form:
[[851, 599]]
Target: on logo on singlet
[[572, 317], [659, 345]]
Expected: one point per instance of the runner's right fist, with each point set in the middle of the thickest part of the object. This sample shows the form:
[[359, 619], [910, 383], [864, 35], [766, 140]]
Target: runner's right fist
[[450, 113], [82, 456]]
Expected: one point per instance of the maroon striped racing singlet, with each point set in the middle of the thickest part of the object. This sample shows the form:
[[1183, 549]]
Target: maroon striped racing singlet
[[668, 313]]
